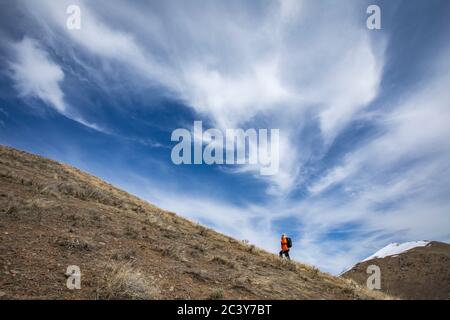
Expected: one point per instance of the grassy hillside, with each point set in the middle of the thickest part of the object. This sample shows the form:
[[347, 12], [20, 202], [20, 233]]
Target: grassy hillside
[[53, 215]]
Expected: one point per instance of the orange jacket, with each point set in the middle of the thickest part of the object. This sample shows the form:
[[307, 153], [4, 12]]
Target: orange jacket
[[284, 245]]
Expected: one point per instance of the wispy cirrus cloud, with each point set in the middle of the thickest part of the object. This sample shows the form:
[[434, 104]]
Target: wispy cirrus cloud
[[36, 75], [235, 63]]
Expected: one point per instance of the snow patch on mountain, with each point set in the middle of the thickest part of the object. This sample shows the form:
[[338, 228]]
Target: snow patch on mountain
[[396, 248]]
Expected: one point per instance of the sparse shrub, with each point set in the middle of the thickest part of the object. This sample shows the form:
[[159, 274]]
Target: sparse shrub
[[130, 232], [124, 255], [66, 188], [26, 182], [304, 278], [199, 247], [223, 261], [95, 216], [201, 276], [38, 207], [113, 234], [72, 217], [12, 206], [314, 272], [76, 244], [243, 284], [283, 264], [169, 232], [202, 231], [13, 176], [173, 252], [121, 281], [80, 191], [167, 252], [78, 220], [278, 262], [290, 265], [51, 190], [194, 254], [245, 258], [217, 294], [15, 206], [124, 206], [348, 291], [39, 203]]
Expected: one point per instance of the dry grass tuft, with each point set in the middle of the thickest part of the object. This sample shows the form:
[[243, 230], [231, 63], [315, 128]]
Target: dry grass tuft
[[203, 231], [358, 291], [314, 272], [121, 281], [217, 294], [12, 205], [199, 276], [223, 262], [130, 232], [173, 252], [124, 255], [76, 244]]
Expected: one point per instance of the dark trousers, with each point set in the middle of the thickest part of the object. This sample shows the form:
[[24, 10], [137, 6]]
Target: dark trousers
[[286, 253]]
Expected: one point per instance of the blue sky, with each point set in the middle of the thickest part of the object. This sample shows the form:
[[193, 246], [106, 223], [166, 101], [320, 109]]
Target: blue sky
[[364, 115]]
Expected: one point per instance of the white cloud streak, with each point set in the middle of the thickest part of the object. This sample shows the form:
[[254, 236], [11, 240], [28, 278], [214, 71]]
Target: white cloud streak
[[36, 75], [232, 63]]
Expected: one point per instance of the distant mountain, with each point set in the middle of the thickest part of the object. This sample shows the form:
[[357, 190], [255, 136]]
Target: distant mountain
[[410, 270], [396, 248], [53, 216]]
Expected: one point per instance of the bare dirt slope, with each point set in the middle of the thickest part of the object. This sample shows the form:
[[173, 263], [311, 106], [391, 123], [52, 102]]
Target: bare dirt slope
[[53, 215], [419, 273]]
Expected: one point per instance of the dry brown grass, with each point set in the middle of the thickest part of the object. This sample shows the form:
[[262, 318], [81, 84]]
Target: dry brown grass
[[217, 294], [12, 205], [121, 281], [76, 244], [359, 290], [224, 262]]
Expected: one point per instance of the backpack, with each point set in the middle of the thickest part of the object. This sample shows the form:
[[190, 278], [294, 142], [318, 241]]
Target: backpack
[[289, 242]]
